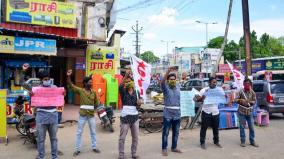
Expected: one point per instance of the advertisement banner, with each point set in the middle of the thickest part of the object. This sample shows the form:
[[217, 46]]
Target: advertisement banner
[[256, 66], [275, 64], [7, 44], [3, 128], [31, 46], [101, 61], [41, 12]]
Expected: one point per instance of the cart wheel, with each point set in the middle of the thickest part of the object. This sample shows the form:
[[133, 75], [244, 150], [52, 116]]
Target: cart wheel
[[153, 127], [184, 123]]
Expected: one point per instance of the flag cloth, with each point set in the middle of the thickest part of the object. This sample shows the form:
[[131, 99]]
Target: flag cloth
[[238, 76], [141, 74]]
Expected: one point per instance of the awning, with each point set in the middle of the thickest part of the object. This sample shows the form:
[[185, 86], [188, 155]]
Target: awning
[[19, 63]]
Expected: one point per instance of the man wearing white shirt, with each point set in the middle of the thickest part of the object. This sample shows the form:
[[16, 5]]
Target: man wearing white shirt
[[210, 111]]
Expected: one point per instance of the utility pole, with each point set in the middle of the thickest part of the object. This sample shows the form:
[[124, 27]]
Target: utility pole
[[137, 31], [246, 26], [215, 68]]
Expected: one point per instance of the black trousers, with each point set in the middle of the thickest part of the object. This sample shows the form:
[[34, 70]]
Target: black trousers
[[206, 121]]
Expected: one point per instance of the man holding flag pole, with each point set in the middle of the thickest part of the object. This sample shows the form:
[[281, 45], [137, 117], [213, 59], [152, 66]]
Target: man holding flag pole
[[246, 99], [132, 87]]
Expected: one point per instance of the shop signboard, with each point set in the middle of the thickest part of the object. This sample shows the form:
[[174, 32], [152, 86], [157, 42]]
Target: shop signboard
[[22, 45], [256, 66], [224, 68], [101, 60], [275, 64], [41, 12]]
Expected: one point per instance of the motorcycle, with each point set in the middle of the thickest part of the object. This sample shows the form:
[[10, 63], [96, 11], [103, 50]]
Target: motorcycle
[[30, 128], [105, 115]]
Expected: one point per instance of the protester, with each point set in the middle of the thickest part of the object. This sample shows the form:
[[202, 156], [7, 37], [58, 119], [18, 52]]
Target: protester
[[210, 113], [129, 115], [246, 99], [184, 78], [47, 120], [171, 90], [88, 102]]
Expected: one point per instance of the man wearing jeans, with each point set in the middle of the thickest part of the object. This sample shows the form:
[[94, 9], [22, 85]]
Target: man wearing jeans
[[88, 102], [171, 92], [46, 118], [246, 99]]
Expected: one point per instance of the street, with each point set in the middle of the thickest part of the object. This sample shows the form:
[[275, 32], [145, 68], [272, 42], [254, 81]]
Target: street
[[269, 138]]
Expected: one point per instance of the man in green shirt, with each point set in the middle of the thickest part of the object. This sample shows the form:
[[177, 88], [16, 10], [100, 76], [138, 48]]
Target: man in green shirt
[[88, 102]]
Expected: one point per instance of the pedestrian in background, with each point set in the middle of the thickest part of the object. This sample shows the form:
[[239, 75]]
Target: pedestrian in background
[[171, 90]]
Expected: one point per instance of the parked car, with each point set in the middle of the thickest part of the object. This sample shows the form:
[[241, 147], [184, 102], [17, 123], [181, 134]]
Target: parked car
[[270, 95], [198, 84]]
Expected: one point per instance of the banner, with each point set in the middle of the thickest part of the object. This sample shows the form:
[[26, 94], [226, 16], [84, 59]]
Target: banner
[[215, 96], [101, 61], [3, 125], [45, 97], [141, 74], [31, 46], [275, 64], [187, 104], [238, 76], [41, 12]]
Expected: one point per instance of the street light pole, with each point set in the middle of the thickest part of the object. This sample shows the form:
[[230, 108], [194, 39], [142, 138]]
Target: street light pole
[[167, 44], [206, 26]]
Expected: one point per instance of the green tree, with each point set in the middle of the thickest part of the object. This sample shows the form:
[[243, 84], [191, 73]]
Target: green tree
[[275, 47], [254, 46], [149, 57], [264, 45], [216, 42], [230, 50]]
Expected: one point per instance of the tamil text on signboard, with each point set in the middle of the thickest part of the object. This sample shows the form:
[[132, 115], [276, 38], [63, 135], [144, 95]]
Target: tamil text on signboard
[[41, 12]]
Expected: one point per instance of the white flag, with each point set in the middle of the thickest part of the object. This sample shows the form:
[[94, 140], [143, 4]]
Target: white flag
[[141, 74], [238, 76]]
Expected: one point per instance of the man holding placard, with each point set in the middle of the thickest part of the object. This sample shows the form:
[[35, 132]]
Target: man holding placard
[[46, 98], [211, 97]]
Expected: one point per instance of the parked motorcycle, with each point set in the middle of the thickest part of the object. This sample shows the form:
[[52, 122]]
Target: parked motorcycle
[[106, 115], [30, 128]]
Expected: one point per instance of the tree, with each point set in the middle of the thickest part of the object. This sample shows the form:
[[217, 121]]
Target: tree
[[149, 57], [230, 50], [275, 47], [216, 42], [254, 46]]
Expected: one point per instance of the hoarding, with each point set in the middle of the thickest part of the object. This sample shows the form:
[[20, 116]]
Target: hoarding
[[101, 60], [275, 64], [22, 45], [41, 12]]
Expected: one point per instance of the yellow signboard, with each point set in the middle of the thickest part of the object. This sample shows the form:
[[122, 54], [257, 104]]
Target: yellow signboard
[[3, 126], [101, 60], [7, 44], [41, 12]]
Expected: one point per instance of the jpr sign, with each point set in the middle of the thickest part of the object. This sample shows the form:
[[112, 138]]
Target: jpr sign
[[36, 45]]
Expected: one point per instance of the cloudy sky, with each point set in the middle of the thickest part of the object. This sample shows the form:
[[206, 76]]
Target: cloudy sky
[[175, 20]]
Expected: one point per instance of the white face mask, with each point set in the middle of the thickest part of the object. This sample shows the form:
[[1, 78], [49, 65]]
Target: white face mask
[[46, 83]]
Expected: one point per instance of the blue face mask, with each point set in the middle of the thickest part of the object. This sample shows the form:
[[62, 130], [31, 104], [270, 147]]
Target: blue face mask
[[46, 83]]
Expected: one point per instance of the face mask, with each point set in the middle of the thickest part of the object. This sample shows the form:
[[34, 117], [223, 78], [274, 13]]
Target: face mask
[[212, 86], [129, 85], [172, 83], [247, 87], [46, 83]]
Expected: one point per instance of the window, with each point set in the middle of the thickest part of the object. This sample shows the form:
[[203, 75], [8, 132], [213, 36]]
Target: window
[[258, 87], [277, 88]]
